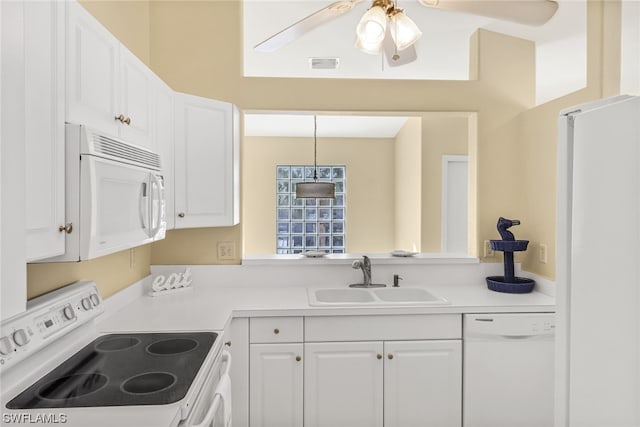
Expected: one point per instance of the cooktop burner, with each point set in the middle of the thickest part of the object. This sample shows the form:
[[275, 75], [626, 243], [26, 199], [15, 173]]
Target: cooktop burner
[[122, 370]]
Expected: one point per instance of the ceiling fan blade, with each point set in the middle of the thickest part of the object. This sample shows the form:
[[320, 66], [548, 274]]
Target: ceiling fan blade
[[305, 25], [528, 12], [395, 57]]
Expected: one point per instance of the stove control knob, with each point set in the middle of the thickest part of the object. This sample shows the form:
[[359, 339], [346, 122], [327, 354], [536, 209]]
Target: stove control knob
[[20, 337], [6, 346], [86, 303], [68, 312], [95, 300]]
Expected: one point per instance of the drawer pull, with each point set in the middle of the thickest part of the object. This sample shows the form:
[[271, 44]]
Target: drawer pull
[[298, 358], [390, 356], [379, 356], [276, 331]]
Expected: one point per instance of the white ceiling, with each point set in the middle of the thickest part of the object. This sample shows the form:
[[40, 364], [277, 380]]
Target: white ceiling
[[329, 126], [443, 50]]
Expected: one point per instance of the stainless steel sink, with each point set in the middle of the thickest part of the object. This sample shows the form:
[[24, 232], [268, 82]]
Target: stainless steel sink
[[373, 297]]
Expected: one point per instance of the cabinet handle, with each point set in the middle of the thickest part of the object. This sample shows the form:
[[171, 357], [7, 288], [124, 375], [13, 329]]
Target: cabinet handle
[[123, 119], [276, 331], [68, 228], [181, 215], [390, 356], [228, 343], [379, 356], [298, 358]]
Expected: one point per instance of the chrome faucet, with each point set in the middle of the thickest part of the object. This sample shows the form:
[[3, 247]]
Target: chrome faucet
[[365, 265]]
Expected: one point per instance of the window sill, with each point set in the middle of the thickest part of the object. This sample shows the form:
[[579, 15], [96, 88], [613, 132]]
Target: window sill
[[378, 258]]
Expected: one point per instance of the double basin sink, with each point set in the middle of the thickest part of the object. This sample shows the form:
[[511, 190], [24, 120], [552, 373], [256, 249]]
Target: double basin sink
[[373, 297]]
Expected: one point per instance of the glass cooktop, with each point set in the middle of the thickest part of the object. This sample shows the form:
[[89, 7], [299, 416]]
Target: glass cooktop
[[122, 370]]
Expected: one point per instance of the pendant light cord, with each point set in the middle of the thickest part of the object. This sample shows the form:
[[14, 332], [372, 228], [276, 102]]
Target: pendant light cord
[[315, 151]]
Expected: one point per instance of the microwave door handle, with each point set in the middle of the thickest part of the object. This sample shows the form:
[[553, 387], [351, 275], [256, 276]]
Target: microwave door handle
[[156, 209], [142, 206]]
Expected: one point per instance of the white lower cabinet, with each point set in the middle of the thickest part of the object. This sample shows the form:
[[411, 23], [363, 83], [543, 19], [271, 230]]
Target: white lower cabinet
[[343, 384], [423, 383], [276, 385], [356, 371]]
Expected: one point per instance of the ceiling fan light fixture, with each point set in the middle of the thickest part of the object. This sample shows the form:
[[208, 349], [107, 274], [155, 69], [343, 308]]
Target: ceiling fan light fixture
[[403, 30], [371, 30]]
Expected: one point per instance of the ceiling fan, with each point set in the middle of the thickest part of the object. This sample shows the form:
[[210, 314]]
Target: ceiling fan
[[386, 28]]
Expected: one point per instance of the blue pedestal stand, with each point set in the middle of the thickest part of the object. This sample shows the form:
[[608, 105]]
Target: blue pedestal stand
[[509, 283]]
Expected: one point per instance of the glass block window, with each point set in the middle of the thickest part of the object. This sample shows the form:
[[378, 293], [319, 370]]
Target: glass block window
[[310, 224]]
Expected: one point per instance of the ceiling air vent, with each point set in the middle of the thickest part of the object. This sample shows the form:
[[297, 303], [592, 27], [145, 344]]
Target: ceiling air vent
[[324, 63]]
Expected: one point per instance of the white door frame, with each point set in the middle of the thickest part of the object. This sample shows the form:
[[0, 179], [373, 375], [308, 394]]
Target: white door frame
[[446, 161]]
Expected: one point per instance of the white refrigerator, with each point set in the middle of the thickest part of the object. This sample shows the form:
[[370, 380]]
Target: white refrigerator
[[598, 265]]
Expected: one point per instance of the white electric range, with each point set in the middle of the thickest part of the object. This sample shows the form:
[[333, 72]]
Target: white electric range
[[57, 368]]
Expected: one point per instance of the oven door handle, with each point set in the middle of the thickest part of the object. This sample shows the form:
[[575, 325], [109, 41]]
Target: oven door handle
[[217, 400]]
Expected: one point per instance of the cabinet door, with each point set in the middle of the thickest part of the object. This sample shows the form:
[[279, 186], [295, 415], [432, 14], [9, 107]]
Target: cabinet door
[[206, 162], [423, 384], [275, 385], [136, 87], [343, 384], [92, 72], [44, 130], [163, 137], [13, 278]]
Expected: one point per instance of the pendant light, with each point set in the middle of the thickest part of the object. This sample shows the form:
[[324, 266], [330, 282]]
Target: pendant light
[[315, 189]]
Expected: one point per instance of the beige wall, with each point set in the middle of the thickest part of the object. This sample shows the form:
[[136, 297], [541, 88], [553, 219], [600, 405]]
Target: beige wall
[[408, 186], [538, 136], [111, 273], [370, 187]]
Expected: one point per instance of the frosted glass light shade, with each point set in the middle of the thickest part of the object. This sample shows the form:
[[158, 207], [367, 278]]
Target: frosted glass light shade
[[371, 30], [403, 30], [321, 190]]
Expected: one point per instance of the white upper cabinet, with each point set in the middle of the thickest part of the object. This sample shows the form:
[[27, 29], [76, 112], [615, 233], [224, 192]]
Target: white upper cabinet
[[136, 88], [206, 162], [92, 72], [13, 274], [44, 128], [108, 88]]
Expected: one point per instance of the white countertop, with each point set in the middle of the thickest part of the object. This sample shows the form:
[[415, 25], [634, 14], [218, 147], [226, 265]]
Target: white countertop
[[212, 307]]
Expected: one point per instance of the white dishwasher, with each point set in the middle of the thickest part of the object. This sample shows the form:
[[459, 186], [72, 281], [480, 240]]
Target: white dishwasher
[[508, 370]]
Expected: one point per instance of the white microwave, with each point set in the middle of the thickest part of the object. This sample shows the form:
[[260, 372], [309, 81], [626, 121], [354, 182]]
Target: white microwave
[[114, 195]]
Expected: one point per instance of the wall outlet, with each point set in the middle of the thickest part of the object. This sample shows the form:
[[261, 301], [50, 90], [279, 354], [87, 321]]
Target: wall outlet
[[226, 250], [542, 253], [488, 252]]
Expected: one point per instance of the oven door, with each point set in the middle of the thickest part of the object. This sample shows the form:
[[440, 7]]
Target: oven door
[[212, 407], [115, 206]]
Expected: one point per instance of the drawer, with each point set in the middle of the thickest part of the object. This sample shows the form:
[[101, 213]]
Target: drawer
[[275, 329], [389, 327]]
